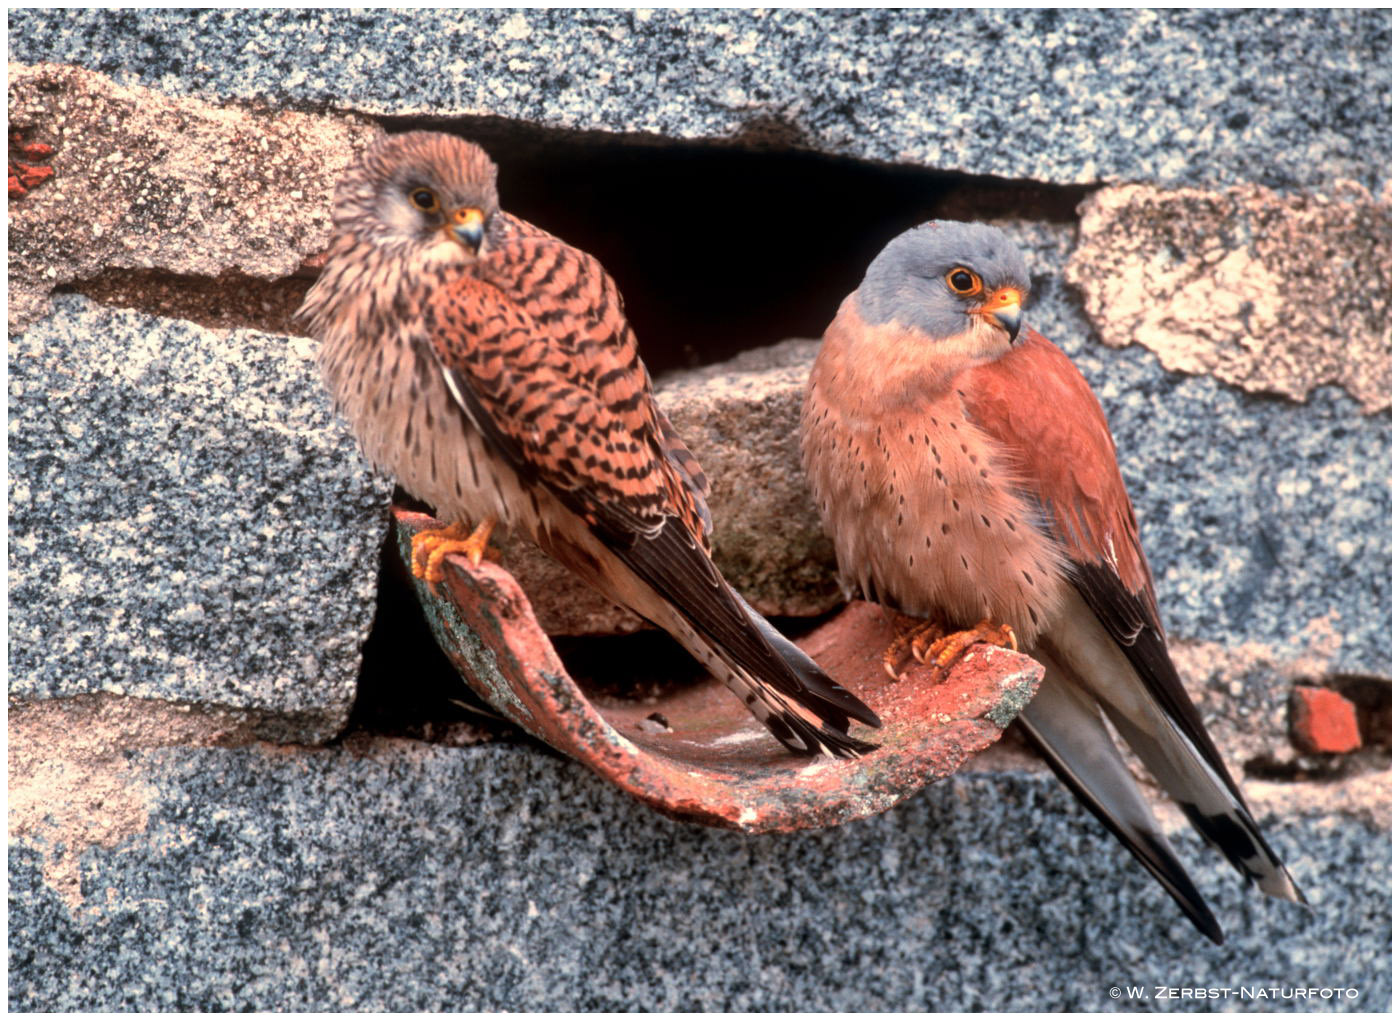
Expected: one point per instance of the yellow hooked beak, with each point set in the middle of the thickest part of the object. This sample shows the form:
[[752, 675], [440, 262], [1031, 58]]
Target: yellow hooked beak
[[466, 226], [1003, 308]]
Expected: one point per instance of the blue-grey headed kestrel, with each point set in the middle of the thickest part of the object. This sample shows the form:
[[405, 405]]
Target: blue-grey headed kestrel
[[965, 472], [488, 366]]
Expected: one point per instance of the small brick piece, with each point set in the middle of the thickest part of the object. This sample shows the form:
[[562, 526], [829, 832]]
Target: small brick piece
[[30, 176], [1324, 722], [16, 189]]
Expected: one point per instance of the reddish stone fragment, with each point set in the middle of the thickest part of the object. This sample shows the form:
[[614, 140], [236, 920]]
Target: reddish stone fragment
[[30, 176], [1324, 722], [16, 189], [37, 150], [709, 761]]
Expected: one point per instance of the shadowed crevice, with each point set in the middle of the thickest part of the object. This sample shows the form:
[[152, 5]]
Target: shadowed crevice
[[230, 301], [723, 246]]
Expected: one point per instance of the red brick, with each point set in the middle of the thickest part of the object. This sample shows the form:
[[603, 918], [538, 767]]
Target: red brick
[[1324, 722], [30, 176]]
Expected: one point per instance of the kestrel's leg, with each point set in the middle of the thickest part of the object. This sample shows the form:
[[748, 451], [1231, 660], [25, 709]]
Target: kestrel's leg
[[429, 547]]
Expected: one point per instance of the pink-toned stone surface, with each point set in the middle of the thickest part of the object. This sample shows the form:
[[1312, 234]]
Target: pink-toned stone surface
[[72, 785], [1272, 292], [145, 180]]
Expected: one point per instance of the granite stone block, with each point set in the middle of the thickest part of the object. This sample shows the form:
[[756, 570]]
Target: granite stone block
[[1280, 98], [188, 521], [407, 877]]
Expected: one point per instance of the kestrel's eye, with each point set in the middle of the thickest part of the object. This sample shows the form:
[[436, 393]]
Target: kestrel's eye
[[963, 281], [424, 199]]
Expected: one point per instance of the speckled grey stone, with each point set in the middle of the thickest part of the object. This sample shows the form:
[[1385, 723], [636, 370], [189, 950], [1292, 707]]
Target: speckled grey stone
[[422, 878], [1282, 98], [187, 520]]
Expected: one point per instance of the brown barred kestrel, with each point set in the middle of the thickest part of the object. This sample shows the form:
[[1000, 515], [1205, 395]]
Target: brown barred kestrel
[[965, 471], [488, 366]]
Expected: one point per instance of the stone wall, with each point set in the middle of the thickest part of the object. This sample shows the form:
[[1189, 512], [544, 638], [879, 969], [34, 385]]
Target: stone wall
[[203, 817]]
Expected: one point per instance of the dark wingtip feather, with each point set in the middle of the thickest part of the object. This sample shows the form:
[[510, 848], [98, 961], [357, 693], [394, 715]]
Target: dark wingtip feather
[[1240, 840], [1131, 619], [801, 737], [826, 697]]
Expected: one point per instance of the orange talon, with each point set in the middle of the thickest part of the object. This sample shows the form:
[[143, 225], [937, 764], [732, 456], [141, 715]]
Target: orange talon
[[931, 643], [893, 655], [946, 651], [913, 636], [431, 546]]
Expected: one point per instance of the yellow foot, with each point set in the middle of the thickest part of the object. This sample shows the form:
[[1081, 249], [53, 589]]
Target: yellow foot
[[931, 642], [908, 632], [945, 651], [431, 546]]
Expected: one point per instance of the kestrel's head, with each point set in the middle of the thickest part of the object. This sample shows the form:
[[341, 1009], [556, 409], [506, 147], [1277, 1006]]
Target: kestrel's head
[[421, 192], [949, 280]]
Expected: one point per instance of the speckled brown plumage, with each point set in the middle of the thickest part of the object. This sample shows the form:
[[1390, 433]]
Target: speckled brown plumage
[[940, 528], [488, 365], [965, 471]]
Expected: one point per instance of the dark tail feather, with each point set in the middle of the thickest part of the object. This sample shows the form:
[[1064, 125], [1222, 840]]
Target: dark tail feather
[[823, 696], [804, 737], [794, 698], [1210, 804], [1189, 768], [1069, 732]]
